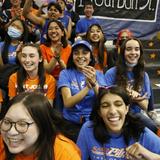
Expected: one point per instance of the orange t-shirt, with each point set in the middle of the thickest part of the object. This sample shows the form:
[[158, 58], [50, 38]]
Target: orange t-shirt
[[64, 149], [1, 96], [48, 55], [32, 84], [97, 64]]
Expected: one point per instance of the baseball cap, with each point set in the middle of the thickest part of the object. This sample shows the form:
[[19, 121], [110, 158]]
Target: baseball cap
[[83, 43]]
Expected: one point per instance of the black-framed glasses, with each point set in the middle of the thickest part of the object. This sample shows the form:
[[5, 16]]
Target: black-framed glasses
[[20, 126]]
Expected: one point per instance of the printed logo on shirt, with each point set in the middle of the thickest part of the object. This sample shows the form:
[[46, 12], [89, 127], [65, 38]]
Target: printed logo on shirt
[[35, 87], [101, 153]]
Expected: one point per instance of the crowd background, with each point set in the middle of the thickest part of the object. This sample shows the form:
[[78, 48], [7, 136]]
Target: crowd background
[[48, 48]]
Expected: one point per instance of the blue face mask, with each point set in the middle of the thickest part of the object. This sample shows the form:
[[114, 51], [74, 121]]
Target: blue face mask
[[14, 32], [131, 65], [69, 6]]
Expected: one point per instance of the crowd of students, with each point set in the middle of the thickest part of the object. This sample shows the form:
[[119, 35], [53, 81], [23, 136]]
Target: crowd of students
[[62, 86]]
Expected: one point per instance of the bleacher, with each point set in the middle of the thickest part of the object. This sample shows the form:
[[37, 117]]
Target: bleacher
[[152, 60]]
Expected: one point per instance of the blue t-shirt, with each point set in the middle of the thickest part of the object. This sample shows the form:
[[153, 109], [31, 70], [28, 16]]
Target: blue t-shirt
[[84, 23], [110, 77], [76, 81], [11, 53], [115, 149]]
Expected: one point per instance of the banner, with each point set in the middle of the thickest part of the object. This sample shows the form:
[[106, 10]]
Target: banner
[[142, 17], [134, 10]]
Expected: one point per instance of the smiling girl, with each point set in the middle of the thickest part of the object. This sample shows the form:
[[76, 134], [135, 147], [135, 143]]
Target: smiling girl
[[31, 76]]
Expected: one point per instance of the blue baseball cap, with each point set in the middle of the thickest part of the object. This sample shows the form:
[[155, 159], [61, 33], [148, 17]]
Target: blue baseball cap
[[83, 43]]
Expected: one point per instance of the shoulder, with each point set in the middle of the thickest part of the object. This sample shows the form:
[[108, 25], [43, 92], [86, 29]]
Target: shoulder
[[49, 78], [148, 137], [68, 47], [65, 148], [112, 70], [87, 126], [13, 76]]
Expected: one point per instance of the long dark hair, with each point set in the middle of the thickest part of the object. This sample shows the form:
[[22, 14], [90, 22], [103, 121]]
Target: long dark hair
[[48, 120], [132, 127], [101, 46], [138, 70], [22, 74], [8, 40], [63, 38]]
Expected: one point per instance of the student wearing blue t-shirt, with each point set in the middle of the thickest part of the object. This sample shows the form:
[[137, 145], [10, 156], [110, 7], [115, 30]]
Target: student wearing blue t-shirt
[[17, 32], [114, 133], [78, 85], [129, 73], [83, 24]]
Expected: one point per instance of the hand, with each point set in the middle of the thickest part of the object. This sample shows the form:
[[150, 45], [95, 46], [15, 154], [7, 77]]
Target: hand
[[90, 74], [134, 152], [57, 49], [137, 152]]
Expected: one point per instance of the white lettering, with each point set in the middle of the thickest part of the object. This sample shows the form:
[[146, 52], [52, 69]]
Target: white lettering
[[100, 4]]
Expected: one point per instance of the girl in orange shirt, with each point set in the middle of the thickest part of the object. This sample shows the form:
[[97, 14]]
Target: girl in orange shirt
[[37, 132], [97, 39], [31, 76], [56, 51]]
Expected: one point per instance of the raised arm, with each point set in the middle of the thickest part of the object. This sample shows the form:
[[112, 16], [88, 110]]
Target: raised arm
[[34, 18]]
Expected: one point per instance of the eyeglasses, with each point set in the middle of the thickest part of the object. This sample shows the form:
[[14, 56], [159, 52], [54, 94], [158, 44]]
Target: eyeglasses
[[20, 126]]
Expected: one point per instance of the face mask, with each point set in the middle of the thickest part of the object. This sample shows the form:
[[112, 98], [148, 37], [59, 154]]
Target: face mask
[[131, 65], [14, 32], [69, 6], [1, 3]]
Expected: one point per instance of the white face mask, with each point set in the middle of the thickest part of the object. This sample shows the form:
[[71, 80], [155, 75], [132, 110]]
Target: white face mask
[[131, 65], [1, 3], [14, 32]]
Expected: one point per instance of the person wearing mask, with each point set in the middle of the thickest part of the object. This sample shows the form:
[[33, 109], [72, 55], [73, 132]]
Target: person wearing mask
[[115, 133], [37, 132], [17, 32], [130, 74], [74, 17]]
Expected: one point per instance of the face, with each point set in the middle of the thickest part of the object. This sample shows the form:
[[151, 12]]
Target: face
[[113, 112], [54, 32], [69, 1], [20, 142], [81, 57], [132, 52], [18, 25], [88, 10], [124, 35], [62, 4], [53, 13], [96, 34], [15, 2], [30, 59]]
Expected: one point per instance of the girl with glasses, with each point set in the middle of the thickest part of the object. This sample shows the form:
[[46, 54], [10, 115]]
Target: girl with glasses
[[31, 129]]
